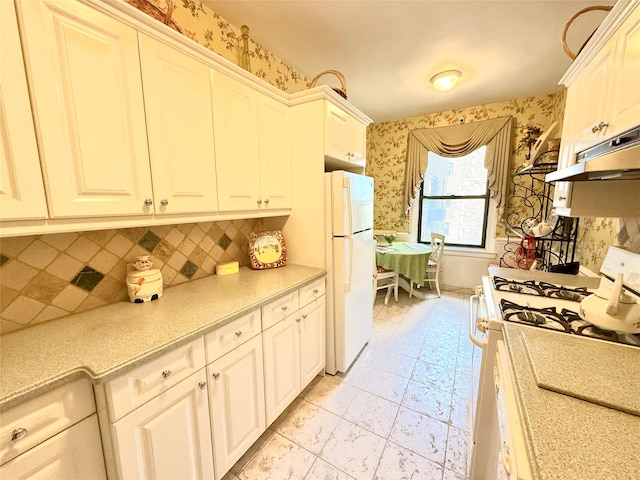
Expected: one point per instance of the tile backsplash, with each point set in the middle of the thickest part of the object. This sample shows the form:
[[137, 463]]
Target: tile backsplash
[[44, 277]]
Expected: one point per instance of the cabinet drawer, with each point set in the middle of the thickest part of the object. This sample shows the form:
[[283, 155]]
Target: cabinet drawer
[[275, 311], [36, 420], [140, 385], [228, 337], [311, 292]]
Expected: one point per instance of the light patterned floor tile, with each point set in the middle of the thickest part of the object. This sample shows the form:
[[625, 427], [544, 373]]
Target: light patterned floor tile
[[428, 400], [252, 452], [421, 434], [331, 394], [279, 459], [372, 412], [353, 450], [398, 463], [386, 385], [451, 475], [460, 416], [307, 425], [457, 456], [462, 385], [393, 362], [322, 470], [435, 375]]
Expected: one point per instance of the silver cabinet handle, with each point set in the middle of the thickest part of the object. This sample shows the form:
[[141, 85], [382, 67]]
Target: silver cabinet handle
[[562, 197], [304, 316], [216, 375], [164, 202], [315, 290], [238, 333], [602, 125], [284, 309], [18, 434], [167, 373], [202, 384], [148, 202], [266, 201], [594, 129], [259, 201], [298, 319]]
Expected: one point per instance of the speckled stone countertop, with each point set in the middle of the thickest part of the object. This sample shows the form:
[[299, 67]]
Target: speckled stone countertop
[[569, 438], [105, 342]]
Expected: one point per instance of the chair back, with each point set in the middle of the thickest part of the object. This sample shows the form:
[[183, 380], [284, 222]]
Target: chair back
[[437, 244]]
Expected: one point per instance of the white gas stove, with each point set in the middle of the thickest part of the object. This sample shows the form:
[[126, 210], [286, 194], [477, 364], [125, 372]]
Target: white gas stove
[[536, 300]]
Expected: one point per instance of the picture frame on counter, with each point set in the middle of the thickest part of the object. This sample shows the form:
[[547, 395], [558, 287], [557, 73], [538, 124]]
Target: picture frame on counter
[[267, 249]]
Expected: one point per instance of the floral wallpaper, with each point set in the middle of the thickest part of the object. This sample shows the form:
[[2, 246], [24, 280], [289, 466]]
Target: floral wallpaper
[[387, 141], [386, 150], [204, 26]]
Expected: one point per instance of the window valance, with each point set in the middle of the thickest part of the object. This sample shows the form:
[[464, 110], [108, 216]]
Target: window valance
[[457, 141]]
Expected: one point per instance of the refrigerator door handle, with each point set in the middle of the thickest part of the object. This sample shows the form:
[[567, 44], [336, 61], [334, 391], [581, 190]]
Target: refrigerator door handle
[[347, 285], [347, 186]]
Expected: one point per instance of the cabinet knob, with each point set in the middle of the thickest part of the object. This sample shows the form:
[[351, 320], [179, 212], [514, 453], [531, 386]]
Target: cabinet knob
[[266, 201], [216, 375], [602, 125], [562, 197], [298, 319], [18, 434], [315, 290], [238, 333], [594, 129], [148, 202], [259, 201], [167, 373], [304, 316], [202, 384], [164, 202]]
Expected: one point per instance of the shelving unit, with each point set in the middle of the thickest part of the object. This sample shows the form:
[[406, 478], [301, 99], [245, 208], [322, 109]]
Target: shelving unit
[[530, 203]]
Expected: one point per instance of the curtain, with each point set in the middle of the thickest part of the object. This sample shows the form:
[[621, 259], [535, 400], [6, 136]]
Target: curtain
[[457, 141]]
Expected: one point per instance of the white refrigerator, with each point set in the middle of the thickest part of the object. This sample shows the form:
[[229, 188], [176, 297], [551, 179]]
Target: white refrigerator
[[350, 259]]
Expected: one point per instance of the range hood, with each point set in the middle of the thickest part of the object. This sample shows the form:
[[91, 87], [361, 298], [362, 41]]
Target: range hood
[[615, 159]]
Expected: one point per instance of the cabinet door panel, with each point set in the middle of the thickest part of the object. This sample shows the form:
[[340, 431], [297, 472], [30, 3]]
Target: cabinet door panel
[[177, 93], [281, 365], [625, 105], [236, 394], [85, 73], [73, 453], [275, 154], [169, 437], [337, 135], [312, 343], [21, 187], [235, 114]]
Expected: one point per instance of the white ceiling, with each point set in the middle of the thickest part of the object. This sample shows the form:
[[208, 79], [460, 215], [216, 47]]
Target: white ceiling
[[388, 49]]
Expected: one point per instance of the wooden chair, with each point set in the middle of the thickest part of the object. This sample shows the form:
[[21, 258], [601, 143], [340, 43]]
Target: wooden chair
[[383, 278], [435, 261], [432, 274]]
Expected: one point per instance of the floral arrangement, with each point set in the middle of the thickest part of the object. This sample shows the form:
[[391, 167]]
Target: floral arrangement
[[530, 134]]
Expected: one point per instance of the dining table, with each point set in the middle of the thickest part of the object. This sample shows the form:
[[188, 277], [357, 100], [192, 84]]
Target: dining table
[[408, 259]]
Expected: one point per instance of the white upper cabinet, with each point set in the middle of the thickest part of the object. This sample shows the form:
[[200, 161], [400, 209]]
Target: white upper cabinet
[[87, 97], [253, 147], [178, 103], [21, 187], [345, 137]]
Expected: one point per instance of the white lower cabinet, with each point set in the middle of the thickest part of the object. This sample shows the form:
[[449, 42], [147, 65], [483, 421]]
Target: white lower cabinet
[[169, 436], [236, 396], [294, 351], [74, 453]]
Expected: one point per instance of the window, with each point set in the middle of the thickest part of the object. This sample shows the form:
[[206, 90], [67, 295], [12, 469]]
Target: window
[[454, 200]]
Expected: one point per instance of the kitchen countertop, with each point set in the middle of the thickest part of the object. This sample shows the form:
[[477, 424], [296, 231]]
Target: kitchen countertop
[[105, 342], [569, 438]]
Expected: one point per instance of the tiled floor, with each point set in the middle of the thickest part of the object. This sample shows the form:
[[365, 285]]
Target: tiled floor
[[403, 410]]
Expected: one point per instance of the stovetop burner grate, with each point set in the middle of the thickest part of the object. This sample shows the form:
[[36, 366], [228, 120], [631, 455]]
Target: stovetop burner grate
[[541, 289], [566, 321]]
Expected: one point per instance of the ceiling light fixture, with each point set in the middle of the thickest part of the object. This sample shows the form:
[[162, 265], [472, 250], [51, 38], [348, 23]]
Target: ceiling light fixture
[[444, 81]]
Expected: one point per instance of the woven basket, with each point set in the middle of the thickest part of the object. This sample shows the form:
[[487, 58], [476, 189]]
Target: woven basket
[[153, 11], [343, 83], [573, 56]]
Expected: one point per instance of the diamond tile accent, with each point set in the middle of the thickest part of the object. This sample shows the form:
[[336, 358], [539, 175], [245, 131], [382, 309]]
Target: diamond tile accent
[[188, 269], [149, 241], [87, 279], [65, 273], [224, 241]]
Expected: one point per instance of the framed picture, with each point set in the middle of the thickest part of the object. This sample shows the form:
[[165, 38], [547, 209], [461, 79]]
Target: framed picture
[[267, 250]]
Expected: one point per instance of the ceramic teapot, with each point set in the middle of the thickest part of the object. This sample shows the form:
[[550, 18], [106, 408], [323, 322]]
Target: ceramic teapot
[[612, 309]]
